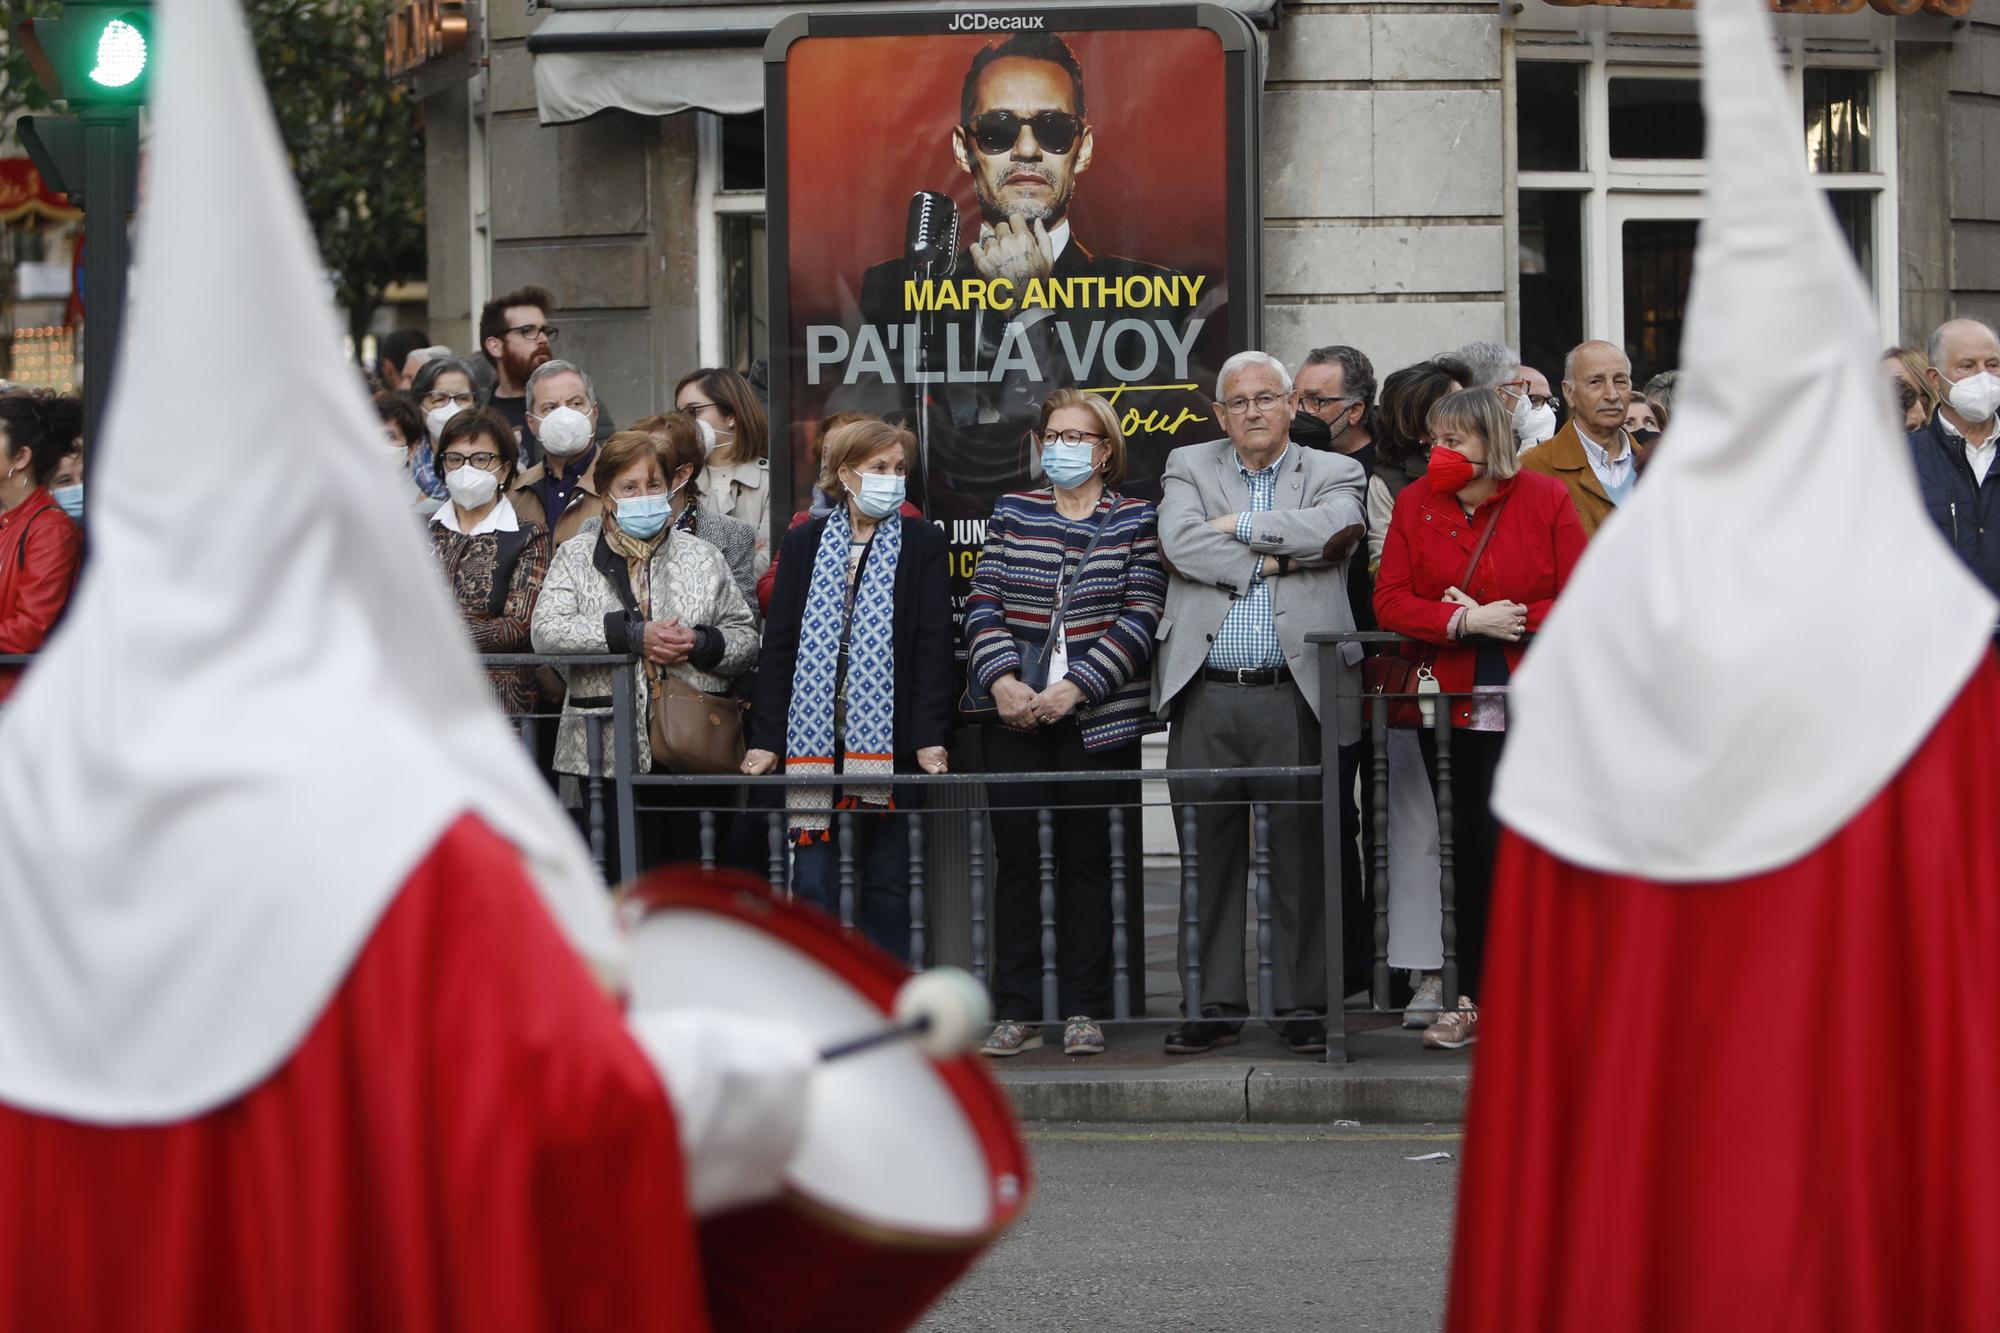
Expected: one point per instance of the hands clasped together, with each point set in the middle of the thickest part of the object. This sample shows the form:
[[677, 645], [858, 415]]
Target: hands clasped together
[[1492, 620], [1025, 709]]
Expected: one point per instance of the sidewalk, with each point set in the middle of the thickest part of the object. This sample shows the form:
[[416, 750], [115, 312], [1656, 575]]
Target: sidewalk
[[1389, 1078]]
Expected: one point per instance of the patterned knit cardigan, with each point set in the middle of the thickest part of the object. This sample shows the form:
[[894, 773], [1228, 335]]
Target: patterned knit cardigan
[[1119, 598]]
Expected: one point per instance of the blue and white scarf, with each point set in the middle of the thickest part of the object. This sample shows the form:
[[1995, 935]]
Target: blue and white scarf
[[868, 741]]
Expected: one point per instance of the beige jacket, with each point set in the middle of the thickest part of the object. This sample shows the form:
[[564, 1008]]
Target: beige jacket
[[742, 491]]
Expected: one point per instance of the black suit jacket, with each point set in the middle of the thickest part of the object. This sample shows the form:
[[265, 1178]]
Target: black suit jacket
[[926, 674], [977, 446]]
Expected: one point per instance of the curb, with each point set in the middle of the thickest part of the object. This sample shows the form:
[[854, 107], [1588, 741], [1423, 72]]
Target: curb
[[1287, 1095]]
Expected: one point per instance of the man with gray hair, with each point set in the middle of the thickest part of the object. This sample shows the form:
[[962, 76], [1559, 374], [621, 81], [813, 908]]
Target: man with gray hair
[[1954, 451], [1256, 532], [1493, 365], [561, 412]]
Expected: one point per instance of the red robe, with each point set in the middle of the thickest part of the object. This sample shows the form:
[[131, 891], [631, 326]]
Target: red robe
[[1762, 1104], [466, 1139]]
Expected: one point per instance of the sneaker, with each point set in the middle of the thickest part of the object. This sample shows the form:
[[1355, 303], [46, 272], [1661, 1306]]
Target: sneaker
[[1305, 1033], [1424, 1005], [1011, 1038], [1456, 1030], [1202, 1034], [1082, 1036]]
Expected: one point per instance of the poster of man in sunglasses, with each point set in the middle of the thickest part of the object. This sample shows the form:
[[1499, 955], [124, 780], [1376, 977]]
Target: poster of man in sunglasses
[[1052, 159]]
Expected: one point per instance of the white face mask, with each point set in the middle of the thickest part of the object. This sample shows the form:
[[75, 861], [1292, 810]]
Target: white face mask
[[1536, 425], [470, 488], [565, 432], [437, 417], [709, 443], [1976, 396]]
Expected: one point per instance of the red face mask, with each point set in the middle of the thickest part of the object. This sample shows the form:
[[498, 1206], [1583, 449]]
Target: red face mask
[[1451, 471]]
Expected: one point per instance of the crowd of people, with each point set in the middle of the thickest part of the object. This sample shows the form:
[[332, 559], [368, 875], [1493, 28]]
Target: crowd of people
[[1447, 503]]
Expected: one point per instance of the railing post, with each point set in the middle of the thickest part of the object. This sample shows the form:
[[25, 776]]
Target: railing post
[[1330, 797], [976, 829], [1121, 1000], [707, 818], [1378, 779], [918, 939], [1045, 834], [624, 761], [775, 847], [1190, 917], [1260, 861], [593, 760], [1447, 853], [846, 865]]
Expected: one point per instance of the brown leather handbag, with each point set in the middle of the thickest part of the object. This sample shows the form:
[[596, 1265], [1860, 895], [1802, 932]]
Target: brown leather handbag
[[692, 731]]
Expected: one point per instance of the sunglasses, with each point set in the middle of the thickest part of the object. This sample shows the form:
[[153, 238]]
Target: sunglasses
[[997, 132]]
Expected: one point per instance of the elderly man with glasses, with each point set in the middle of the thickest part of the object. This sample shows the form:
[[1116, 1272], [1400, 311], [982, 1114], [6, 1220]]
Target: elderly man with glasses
[[1256, 531]]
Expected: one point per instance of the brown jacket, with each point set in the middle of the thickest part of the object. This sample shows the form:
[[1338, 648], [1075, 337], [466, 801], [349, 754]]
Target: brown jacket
[[1563, 458], [583, 506]]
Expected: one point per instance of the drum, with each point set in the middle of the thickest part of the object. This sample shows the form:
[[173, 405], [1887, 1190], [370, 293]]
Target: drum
[[907, 1167]]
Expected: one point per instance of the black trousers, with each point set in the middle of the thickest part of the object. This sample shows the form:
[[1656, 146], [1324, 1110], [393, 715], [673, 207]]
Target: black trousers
[[1082, 828], [1357, 843], [1475, 838]]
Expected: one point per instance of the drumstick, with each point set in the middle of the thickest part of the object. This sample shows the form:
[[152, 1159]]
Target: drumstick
[[944, 1009]]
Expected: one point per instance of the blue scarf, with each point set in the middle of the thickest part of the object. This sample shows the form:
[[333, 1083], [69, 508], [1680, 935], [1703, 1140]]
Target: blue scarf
[[868, 740]]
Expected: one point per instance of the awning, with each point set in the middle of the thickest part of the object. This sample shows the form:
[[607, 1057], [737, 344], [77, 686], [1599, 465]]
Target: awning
[[596, 55]]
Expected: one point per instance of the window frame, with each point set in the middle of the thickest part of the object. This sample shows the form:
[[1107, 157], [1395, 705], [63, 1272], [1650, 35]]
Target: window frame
[[712, 203]]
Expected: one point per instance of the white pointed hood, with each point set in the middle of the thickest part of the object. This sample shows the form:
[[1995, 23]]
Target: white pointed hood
[[1758, 643], [262, 710]]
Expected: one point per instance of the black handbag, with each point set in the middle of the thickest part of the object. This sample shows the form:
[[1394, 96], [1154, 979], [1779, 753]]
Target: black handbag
[[977, 701]]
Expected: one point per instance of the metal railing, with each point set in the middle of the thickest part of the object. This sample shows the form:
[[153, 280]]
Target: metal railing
[[610, 803]]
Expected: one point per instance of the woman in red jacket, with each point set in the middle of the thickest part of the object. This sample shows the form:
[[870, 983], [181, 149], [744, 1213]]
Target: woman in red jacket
[[1476, 552], [39, 546]]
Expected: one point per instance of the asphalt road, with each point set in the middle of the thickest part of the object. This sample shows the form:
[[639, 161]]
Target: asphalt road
[[1202, 1228]]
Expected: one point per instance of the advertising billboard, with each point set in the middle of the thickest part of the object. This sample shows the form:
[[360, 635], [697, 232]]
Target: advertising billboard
[[969, 210]]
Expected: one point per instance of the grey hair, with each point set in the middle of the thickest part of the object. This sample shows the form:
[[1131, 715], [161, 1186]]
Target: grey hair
[[1660, 390], [1934, 349], [1491, 364], [428, 373], [548, 368], [1244, 360]]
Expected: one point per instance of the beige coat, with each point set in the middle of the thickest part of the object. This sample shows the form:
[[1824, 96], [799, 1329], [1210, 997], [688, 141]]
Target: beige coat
[[690, 579], [742, 491], [583, 506]]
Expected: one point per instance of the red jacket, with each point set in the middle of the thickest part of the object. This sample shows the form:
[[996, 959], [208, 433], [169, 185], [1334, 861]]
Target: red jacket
[[39, 553], [1429, 544]]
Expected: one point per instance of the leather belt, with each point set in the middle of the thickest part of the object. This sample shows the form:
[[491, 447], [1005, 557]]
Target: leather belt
[[1247, 675]]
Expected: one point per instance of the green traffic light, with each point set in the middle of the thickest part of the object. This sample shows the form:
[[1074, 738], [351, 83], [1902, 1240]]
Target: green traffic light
[[121, 54]]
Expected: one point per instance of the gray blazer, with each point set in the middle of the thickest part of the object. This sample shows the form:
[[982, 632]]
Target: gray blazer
[[1319, 495]]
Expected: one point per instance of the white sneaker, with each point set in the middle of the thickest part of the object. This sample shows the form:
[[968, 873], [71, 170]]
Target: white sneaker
[[1427, 1003]]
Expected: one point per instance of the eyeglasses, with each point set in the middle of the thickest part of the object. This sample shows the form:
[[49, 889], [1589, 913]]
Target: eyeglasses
[[696, 409], [485, 461], [536, 332], [1072, 437], [1540, 399], [997, 132], [434, 400], [1263, 402], [1318, 402]]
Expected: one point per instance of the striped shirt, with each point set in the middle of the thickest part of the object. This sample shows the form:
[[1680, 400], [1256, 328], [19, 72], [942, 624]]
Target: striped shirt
[[1032, 553], [1248, 639]]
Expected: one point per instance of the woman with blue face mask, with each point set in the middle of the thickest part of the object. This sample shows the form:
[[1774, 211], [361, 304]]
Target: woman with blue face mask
[[1059, 630], [628, 583], [857, 678]]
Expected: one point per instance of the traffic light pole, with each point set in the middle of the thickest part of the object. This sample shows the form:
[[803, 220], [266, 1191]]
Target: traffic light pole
[[110, 146]]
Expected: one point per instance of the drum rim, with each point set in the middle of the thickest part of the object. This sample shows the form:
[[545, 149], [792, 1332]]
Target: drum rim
[[743, 897]]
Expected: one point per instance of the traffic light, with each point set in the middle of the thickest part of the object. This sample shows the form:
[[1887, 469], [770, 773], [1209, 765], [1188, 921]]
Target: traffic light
[[94, 54]]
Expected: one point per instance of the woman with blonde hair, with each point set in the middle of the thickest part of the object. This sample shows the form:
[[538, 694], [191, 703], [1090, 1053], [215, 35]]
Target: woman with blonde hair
[[1059, 631], [856, 680]]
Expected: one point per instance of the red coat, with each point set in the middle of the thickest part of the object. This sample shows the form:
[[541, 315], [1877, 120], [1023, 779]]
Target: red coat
[[1429, 544], [35, 575], [467, 1139]]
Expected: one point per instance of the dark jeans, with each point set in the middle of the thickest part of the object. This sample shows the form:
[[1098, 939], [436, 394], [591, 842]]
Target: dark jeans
[[1081, 824], [1475, 838], [881, 878]]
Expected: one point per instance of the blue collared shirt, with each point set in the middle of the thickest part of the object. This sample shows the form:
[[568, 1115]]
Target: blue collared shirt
[[1248, 639]]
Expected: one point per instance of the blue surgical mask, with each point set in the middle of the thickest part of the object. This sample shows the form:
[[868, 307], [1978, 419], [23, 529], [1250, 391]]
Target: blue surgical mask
[[880, 495], [1068, 465], [643, 516], [71, 500]]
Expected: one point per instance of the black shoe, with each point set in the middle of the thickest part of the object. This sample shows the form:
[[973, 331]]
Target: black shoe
[[1305, 1033], [1202, 1034]]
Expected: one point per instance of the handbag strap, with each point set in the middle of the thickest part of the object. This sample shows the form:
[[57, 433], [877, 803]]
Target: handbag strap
[[1484, 538], [1069, 589]]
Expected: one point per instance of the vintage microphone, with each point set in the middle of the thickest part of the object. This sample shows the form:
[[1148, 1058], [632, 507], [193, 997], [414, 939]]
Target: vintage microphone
[[930, 243], [943, 1010]]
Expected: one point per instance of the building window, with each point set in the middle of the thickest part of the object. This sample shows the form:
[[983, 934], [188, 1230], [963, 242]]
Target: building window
[[1608, 151], [734, 272]]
